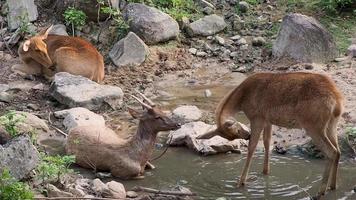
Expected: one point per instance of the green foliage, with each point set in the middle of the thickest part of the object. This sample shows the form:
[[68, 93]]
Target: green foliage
[[52, 168], [74, 17], [120, 23], [351, 132], [10, 189], [10, 121], [333, 6], [175, 8]]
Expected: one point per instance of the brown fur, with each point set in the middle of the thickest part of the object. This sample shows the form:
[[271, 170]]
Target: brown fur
[[101, 148], [48, 54], [293, 100]]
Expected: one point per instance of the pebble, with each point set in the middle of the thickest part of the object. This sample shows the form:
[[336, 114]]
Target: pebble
[[131, 194], [235, 37], [220, 40], [207, 93], [258, 41], [243, 5], [201, 54], [193, 51], [241, 41]]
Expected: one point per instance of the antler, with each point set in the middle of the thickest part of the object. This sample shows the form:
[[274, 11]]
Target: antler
[[142, 103], [146, 99]]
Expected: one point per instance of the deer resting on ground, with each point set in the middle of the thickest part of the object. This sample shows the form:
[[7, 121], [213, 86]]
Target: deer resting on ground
[[293, 100], [101, 148], [48, 54]]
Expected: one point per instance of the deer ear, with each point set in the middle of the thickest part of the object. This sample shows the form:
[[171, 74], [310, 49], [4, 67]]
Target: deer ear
[[26, 45], [44, 33], [134, 113]]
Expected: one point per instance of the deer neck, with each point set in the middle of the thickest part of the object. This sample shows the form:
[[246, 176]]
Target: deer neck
[[228, 107], [143, 142]]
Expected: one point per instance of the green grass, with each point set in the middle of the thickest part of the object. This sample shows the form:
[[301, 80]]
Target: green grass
[[11, 189]]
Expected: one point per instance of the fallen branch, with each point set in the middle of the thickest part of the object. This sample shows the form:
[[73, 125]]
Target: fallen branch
[[165, 192], [59, 130]]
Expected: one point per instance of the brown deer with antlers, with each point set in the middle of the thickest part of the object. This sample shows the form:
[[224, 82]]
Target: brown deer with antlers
[[293, 100], [102, 149], [48, 54]]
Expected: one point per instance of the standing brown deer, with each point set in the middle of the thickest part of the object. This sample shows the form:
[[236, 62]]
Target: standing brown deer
[[101, 148], [293, 100], [48, 54]]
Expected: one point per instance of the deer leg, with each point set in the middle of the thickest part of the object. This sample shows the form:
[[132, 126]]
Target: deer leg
[[321, 140], [256, 129], [267, 133], [332, 136]]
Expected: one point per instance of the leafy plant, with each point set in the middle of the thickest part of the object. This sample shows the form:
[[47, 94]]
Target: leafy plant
[[351, 132], [74, 17], [10, 121], [52, 168], [10, 189]]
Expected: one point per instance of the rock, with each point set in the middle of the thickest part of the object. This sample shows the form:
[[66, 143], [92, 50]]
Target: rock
[[5, 97], [150, 24], [280, 149], [19, 11], [241, 41], [207, 93], [29, 123], [59, 29], [116, 190], [130, 51], [4, 136], [208, 10], [78, 91], [304, 39], [235, 37], [100, 188], [234, 54], [220, 40], [187, 134], [185, 114], [79, 117], [351, 51], [208, 25], [258, 41], [201, 54], [4, 87], [310, 150], [131, 194], [244, 47], [53, 191], [21, 85], [19, 156], [243, 6], [193, 51], [205, 3]]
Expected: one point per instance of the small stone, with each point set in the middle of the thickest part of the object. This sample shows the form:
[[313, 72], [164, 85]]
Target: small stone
[[193, 51], [201, 54], [234, 54], [99, 187], [103, 175], [258, 41], [5, 97], [244, 47], [243, 6], [351, 51], [116, 190], [4, 87], [209, 37], [241, 41], [208, 10], [59, 29], [235, 37], [207, 93], [220, 40], [33, 106], [185, 114], [53, 191], [131, 194]]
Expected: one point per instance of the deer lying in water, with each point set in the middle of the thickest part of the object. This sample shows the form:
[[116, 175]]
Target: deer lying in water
[[48, 54], [292, 100], [101, 148]]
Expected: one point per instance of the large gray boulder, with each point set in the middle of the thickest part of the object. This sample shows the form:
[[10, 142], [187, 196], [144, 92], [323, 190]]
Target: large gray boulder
[[304, 39], [129, 51], [21, 10], [208, 25], [78, 91], [185, 114], [59, 29], [187, 134], [19, 156], [150, 24], [79, 117]]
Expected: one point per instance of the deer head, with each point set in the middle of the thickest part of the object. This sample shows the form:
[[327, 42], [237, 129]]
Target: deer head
[[36, 48], [152, 116], [230, 129]]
